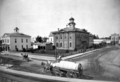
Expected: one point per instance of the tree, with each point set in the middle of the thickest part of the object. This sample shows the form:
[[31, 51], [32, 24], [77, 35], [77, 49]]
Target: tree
[[106, 37], [39, 39], [95, 36]]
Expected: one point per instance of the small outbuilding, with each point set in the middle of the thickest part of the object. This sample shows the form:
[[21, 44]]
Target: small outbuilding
[[46, 46]]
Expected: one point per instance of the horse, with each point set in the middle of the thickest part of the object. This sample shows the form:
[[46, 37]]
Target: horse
[[25, 57]]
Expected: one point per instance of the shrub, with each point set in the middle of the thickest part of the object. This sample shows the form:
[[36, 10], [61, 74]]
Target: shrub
[[42, 51], [54, 47], [67, 51], [24, 50], [16, 49], [75, 49]]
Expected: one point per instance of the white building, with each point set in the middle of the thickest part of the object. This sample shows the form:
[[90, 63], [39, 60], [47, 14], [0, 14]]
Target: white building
[[115, 38], [51, 38], [16, 40], [98, 41], [108, 41], [33, 39]]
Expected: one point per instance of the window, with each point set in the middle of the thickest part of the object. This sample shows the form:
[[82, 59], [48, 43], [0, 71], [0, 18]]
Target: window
[[15, 40], [70, 44], [65, 36], [56, 37], [15, 46], [56, 44], [60, 36], [26, 40], [70, 37], [22, 46], [26, 46], [22, 40], [60, 44]]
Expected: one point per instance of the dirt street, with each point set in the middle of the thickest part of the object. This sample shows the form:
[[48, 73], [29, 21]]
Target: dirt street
[[111, 64], [101, 65]]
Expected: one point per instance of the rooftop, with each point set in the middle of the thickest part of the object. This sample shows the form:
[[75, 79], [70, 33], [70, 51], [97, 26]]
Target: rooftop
[[70, 30], [51, 34], [15, 35]]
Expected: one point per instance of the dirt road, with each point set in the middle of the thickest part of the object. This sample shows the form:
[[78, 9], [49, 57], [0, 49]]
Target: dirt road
[[95, 67]]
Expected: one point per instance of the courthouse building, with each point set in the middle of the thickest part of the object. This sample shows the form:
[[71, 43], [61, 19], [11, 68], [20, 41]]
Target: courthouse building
[[16, 40], [71, 37]]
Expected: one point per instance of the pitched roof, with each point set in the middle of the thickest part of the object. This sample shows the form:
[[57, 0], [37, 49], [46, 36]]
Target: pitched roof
[[71, 30], [15, 35], [51, 34], [114, 34]]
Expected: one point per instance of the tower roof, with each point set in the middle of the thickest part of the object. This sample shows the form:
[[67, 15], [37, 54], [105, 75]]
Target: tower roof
[[71, 18], [16, 29]]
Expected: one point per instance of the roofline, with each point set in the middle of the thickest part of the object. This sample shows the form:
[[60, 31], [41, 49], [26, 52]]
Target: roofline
[[57, 32], [19, 36], [15, 36]]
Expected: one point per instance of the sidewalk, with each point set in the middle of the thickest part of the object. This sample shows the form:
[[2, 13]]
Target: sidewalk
[[34, 56], [42, 77], [41, 57], [79, 54]]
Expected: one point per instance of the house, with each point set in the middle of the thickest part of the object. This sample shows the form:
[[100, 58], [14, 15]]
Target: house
[[115, 38], [90, 40], [33, 39], [98, 41], [44, 39], [108, 41], [51, 38], [46, 45], [71, 38], [16, 40]]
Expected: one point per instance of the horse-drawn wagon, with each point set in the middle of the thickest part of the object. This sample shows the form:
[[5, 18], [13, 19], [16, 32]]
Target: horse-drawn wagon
[[65, 69]]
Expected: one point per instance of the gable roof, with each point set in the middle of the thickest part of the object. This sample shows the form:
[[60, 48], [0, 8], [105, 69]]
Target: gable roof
[[51, 34], [15, 35]]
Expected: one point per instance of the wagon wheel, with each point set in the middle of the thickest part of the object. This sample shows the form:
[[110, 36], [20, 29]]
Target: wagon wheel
[[63, 74], [68, 74], [75, 75], [60, 74], [57, 73]]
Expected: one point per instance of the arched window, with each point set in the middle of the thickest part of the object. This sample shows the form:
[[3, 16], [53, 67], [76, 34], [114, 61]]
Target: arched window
[[60, 44], [70, 44]]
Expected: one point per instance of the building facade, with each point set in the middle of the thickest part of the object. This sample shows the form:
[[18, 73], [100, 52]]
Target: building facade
[[72, 38], [115, 38], [16, 40], [51, 38]]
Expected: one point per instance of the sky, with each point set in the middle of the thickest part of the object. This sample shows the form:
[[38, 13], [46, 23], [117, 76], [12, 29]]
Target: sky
[[40, 17]]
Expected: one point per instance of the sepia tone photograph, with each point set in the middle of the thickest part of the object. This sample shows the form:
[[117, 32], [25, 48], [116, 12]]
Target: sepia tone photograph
[[59, 40]]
